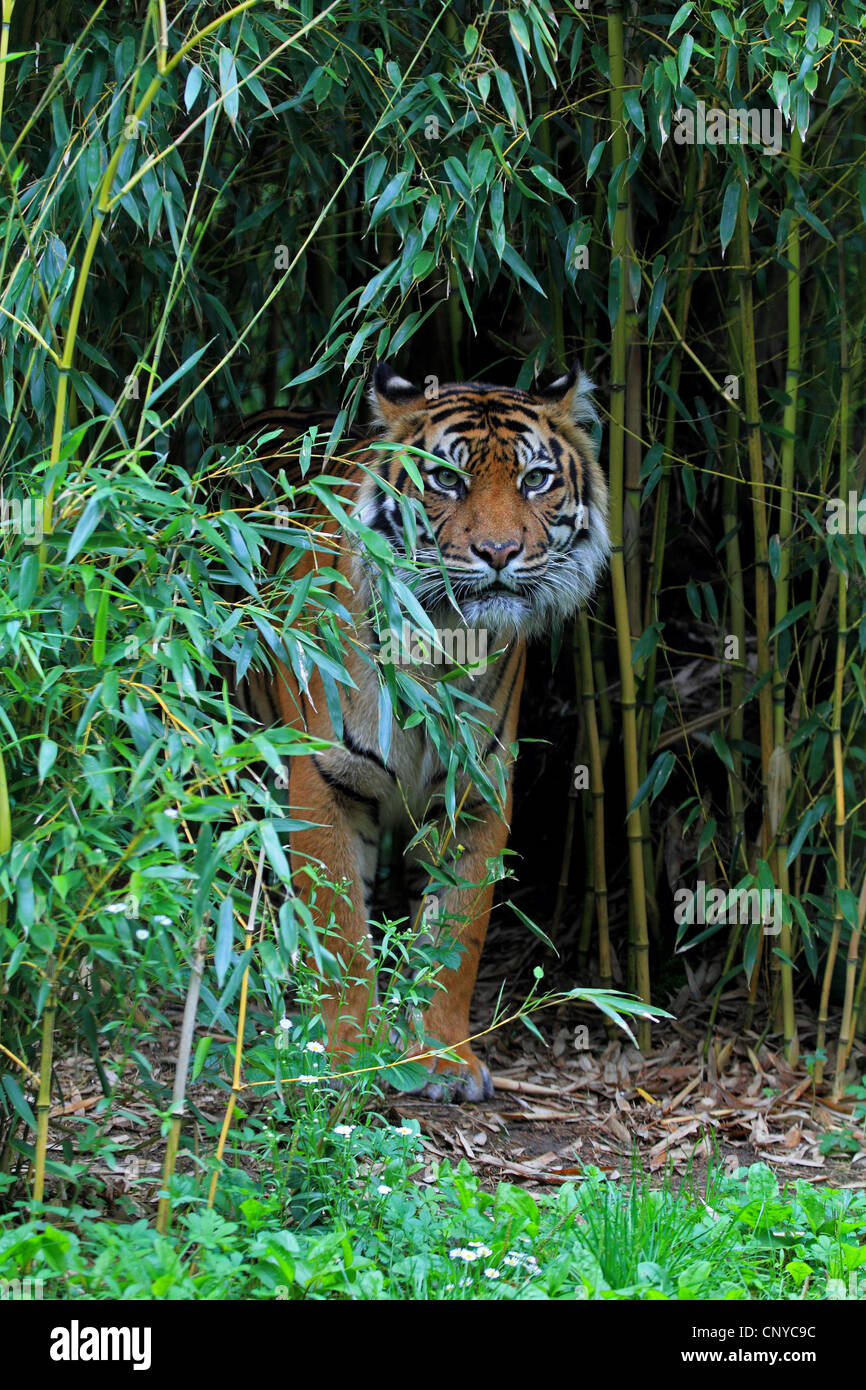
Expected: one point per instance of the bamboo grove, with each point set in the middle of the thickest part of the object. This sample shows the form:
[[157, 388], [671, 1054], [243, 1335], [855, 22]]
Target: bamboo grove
[[206, 209]]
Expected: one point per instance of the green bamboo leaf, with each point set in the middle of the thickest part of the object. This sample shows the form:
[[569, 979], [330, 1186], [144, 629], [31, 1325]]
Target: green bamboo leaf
[[655, 304], [386, 720], [646, 643], [774, 556], [730, 211], [722, 749], [684, 57], [203, 1047], [533, 926], [631, 101], [789, 619], [48, 750], [680, 18], [192, 87], [655, 780], [229, 84], [224, 940], [100, 627], [19, 1101], [595, 159], [690, 487], [177, 375], [28, 581], [496, 203], [520, 268], [810, 819], [519, 31], [274, 851], [388, 197], [87, 524], [509, 99], [549, 182]]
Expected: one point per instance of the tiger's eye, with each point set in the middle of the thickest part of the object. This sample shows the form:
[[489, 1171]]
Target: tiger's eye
[[447, 477], [536, 477]]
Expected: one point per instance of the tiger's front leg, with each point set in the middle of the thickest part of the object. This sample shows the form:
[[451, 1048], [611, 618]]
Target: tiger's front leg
[[463, 916], [345, 845]]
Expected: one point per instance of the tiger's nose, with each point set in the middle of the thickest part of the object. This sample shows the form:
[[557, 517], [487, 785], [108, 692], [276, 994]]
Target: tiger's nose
[[497, 553]]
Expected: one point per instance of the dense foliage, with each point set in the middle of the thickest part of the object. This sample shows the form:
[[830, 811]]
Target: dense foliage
[[235, 205]]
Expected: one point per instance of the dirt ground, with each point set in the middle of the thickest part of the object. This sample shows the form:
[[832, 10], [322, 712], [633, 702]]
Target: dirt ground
[[561, 1104], [577, 1097]]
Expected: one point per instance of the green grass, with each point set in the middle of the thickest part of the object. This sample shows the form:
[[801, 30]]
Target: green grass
[[345, 1216]]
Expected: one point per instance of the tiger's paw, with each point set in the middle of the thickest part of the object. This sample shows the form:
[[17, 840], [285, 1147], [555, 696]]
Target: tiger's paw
[[454, 1084]]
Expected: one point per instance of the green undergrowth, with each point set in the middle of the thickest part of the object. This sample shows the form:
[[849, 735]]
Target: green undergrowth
[[364, 1218]]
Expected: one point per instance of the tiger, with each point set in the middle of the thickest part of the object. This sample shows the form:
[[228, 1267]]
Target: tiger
[[514, 532]]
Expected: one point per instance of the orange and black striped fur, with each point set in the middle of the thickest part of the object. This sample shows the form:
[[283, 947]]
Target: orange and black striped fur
[[516, 505]]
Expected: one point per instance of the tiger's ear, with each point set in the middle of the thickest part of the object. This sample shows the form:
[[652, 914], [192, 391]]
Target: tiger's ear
[[392, 395], [571, 397]]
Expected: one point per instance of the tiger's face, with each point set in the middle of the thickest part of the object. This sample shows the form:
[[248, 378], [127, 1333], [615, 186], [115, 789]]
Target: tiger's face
[[515, 499]]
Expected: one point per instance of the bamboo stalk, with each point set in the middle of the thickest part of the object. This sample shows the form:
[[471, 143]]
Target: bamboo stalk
[[8, 7], [181, 1072], [736, 604], [43, 1104], [599, 870], [736, 625], [653, 598], [760, 531], [633, 446], [660, 519], [249, 932], [848, 1024], [838, 702], [5, 827], [781, 762], [637, 894]]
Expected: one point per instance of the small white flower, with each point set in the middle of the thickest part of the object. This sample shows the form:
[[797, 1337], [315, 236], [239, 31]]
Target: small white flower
[[306, 1080], [492, 1274], [161, 920], [516, 1259], [115, 907], [285, 1023], [483, 1251], [311, 1046], [171, 813], [463, 1254], [343, 1129], [404, 1130], [142, 933], [383, 1189]]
